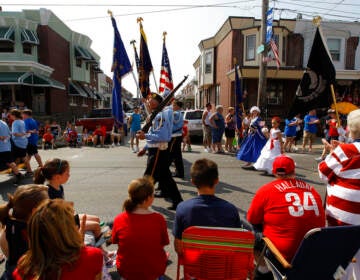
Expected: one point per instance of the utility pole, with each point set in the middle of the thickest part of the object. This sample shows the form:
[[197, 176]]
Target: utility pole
[[262, 64]]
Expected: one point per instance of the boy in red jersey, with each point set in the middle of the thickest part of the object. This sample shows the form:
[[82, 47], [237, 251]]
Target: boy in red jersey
[[284, 210]]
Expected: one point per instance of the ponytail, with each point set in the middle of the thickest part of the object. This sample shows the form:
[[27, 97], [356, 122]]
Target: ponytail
[[39, 177], [5, 208], [129, 205]]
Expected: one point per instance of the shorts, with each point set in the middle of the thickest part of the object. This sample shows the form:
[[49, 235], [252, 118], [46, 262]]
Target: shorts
[[207, 133], [31, 149], [18, 152], [132, 134], [229, 133], [309, 136], [5, 159]]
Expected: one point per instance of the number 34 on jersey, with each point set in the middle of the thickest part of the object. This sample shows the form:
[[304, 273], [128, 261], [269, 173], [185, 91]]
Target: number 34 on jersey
[[301, 204]]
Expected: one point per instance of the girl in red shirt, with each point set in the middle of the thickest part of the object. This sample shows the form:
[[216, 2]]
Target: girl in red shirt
[[56, 247], [140, 235]]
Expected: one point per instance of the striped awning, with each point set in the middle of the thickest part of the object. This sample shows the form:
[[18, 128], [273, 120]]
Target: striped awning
[[28, 79], [84, 54], [29, 36], [7, 34], [76, 90]]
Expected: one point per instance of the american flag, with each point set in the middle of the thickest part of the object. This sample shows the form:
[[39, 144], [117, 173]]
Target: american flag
[[275, 52], [166, 83]]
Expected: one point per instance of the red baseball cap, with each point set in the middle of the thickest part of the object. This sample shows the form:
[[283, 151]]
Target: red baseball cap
[[283, 165]]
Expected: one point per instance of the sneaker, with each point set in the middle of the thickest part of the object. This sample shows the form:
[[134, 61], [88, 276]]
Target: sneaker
[[206, 150], [318, 159], [118, 144], [189, 149], [17, 178], [113, 145], [29, 174]]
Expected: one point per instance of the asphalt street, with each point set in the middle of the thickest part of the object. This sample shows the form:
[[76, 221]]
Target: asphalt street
[[100, 176]]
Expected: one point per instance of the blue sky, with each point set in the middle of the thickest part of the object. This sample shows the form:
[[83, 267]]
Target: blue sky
[[185, 24]]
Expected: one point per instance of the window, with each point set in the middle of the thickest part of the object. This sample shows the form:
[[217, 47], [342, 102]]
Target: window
[[207, 95], [334, 46], [208, 62], [201, 99], [6, 47], [250, 47], [284, 49], [217, 95], [27, 48], [275, 93], [78, 62]]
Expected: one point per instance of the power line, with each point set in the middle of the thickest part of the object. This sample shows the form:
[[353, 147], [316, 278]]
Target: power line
[[326, 2], [225, 5], [317, 7], [307, 13]]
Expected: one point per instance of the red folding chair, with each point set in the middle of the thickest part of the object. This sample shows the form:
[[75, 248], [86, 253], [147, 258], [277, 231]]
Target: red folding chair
[[211, 253]]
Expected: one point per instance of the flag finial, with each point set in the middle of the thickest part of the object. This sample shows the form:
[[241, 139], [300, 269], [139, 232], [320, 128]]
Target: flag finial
[[317, 21], [164, 35], [132, 42], [139, 19], [110, 13]]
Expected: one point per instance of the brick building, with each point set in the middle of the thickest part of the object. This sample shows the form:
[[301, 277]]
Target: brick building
[[239, 38], [48, 67]]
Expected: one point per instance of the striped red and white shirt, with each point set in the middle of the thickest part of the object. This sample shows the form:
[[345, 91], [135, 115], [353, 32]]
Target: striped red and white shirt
[[341, 170]]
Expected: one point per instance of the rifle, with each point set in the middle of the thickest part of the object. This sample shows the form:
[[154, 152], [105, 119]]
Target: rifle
[[162, 105]]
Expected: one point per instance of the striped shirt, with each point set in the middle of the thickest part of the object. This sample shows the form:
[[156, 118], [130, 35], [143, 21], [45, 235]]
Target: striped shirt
[[341, 170]]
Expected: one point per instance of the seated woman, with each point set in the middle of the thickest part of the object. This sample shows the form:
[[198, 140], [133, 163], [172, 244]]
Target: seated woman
[[140, 235], [13, 217], [56, 247]]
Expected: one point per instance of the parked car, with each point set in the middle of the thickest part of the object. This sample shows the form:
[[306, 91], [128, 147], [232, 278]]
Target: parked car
[[194, 118]]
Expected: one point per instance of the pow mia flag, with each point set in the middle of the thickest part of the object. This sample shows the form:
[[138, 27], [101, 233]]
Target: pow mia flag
[[314, 91]]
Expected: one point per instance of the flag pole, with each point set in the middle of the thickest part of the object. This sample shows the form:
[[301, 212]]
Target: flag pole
[[132, 42], [317, 22]]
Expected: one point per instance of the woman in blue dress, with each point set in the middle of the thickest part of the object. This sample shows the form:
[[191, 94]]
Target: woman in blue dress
[[217, 129], [254, 141]]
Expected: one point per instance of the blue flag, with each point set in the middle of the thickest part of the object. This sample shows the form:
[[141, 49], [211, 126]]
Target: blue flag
[[121, 66], [145, 65], [269, 22], [238, 99]]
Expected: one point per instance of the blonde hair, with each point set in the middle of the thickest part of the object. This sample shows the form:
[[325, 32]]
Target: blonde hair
[[139, 190], [53, 241], [23, 201], [353, 121]]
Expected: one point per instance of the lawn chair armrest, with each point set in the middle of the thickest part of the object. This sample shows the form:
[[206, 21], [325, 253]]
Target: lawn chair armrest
[[276, 253]]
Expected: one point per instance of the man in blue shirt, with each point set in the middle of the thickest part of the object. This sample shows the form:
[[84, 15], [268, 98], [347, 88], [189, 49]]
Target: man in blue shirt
[[205, 209], [174, 147], [6, 159], [135, 126], [157, 139], [31, 127], [311, 122]]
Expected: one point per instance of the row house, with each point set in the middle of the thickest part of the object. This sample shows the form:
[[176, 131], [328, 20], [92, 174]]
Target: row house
[[47, 66], [187, 94], [239, 38], [342, 39]]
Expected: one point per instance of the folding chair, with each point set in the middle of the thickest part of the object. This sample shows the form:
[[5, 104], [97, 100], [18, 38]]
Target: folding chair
[[217, 253], [323, 253]]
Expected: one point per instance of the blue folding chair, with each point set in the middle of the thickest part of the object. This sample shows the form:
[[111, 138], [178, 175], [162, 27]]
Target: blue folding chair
[[321, 255]]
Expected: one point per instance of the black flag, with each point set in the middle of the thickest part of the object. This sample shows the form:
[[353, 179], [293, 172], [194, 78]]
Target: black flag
[[314, 91]]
